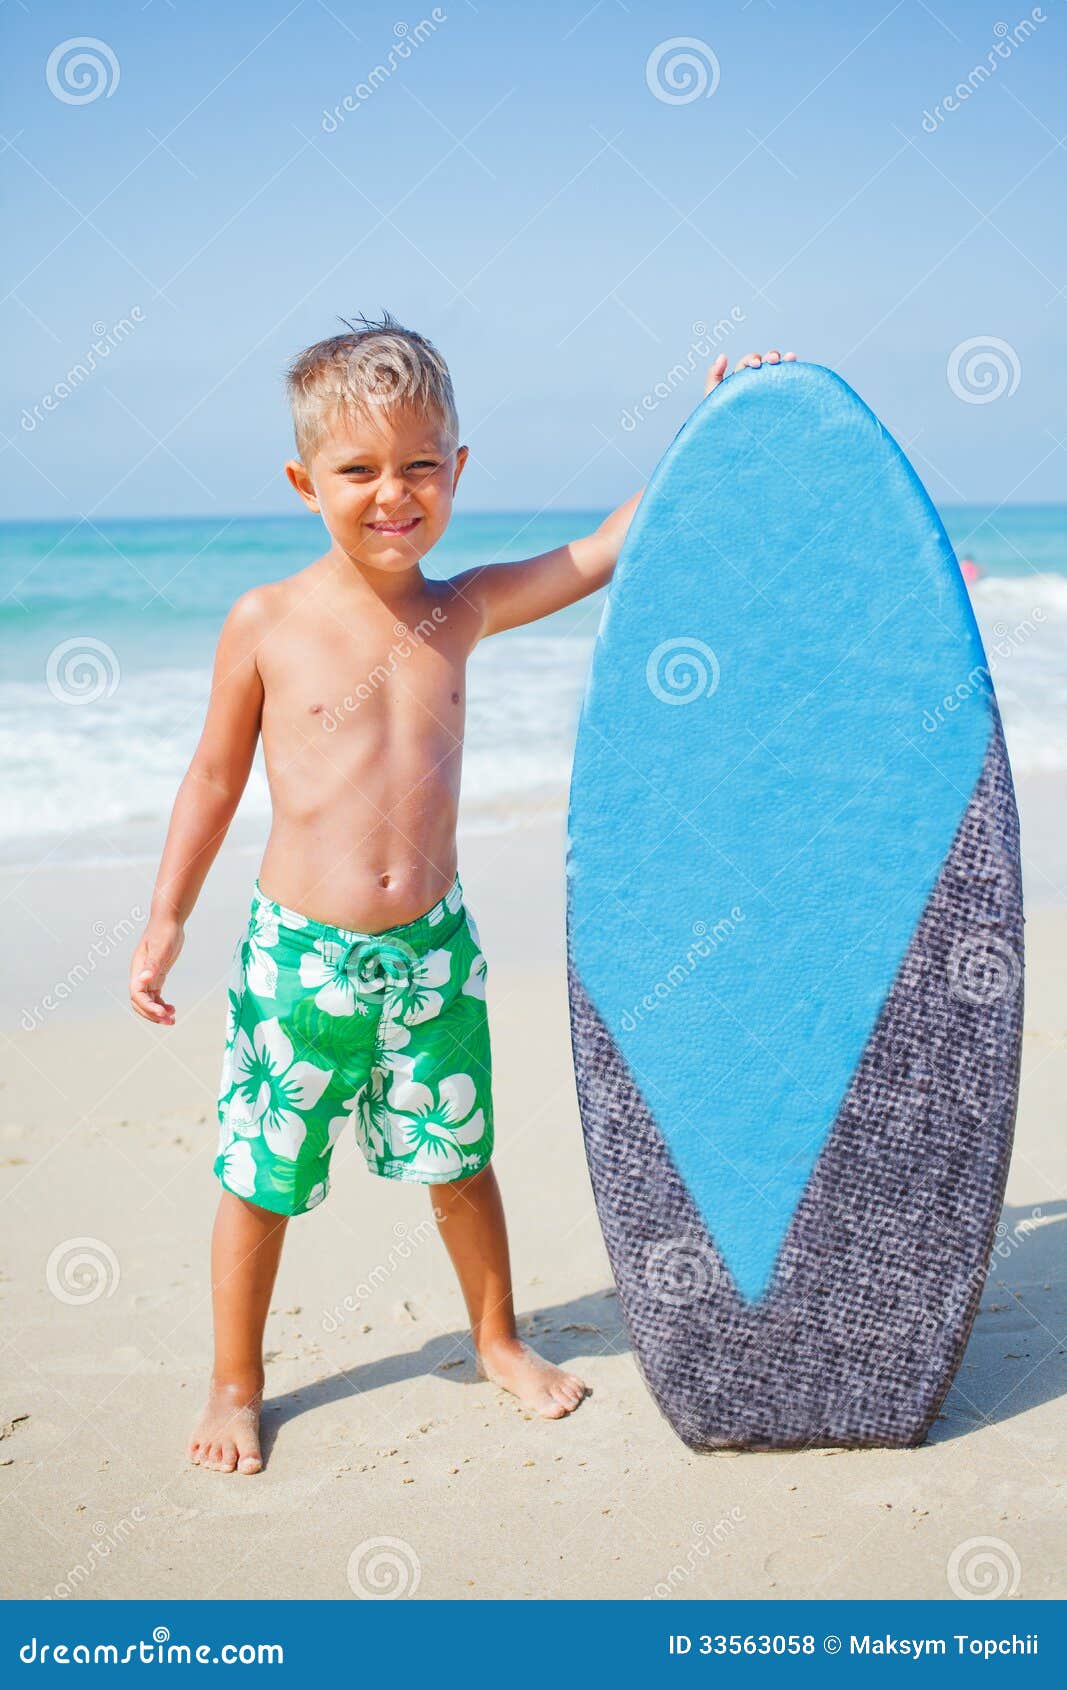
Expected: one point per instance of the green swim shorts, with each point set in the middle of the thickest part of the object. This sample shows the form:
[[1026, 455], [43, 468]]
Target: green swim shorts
[[387, 1031]]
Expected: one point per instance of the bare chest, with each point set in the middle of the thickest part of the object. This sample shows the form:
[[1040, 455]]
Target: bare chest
[[410, 682]]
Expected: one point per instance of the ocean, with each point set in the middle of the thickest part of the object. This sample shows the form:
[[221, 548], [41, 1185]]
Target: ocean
[[107, 633]]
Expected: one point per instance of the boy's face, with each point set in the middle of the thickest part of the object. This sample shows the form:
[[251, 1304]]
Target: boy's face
[[383, 482]]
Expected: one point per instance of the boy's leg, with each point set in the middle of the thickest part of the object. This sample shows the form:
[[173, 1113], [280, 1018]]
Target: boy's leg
[[470, 1217], [246, 1247]]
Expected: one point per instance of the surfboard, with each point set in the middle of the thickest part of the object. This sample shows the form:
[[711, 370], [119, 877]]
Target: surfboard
[[794, 929]]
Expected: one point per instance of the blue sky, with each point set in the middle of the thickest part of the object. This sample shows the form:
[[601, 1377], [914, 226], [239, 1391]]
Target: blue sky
[[518, 188]]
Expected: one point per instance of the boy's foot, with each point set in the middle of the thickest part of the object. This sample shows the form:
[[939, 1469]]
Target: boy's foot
[[226, 1437], [538, 1384]]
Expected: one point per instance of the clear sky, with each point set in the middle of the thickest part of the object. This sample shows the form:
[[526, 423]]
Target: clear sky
[[519, 188]]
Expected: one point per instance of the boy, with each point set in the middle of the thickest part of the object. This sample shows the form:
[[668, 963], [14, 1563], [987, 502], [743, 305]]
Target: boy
[[358, 993]]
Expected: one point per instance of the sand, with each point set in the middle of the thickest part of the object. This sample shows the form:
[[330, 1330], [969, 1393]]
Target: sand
[[376, 1425]]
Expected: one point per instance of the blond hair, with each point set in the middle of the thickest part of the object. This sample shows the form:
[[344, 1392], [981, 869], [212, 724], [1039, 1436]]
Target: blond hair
[[375, 365]]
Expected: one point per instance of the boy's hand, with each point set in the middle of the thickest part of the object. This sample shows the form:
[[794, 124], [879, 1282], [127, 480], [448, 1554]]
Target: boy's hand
[[153, 960], [751, 361], [507, 595]]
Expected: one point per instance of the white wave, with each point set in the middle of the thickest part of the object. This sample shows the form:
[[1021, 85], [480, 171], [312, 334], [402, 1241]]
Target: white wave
[[116, 763], [1023, 623], [995, 594]]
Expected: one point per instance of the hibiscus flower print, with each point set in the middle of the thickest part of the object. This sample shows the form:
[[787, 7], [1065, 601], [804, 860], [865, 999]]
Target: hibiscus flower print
[[261, 969], [273, 1091], [474, 984], [370, 1115], [235, 991], [449, 904], [226, 1076], [326, 967], [238, 1166], [336, 1126], [414, 997], [234, 994], [433, 1126], [389, 1040]]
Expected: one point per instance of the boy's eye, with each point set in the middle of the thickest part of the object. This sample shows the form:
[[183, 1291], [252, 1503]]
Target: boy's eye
[[420, 464]]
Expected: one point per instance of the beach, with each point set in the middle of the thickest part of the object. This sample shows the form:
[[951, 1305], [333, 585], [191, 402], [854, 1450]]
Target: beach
[[391, 1468], [314, 311]]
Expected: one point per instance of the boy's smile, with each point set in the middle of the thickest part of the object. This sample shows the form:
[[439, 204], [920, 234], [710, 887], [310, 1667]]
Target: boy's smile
[[383, 482], [404, 527]]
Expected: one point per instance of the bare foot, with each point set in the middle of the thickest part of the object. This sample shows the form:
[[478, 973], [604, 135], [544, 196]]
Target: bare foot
[[226, 1437], [538, 1384]]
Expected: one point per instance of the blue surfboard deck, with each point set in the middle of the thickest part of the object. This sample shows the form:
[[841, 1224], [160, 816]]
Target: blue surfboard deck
[[795, 939]]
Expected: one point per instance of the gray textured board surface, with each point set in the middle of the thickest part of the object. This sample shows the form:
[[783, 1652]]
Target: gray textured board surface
[[881, 1272]]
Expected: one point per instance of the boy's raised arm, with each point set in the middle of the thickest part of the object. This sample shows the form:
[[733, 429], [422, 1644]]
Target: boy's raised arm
[[205, 805], [506, 595]]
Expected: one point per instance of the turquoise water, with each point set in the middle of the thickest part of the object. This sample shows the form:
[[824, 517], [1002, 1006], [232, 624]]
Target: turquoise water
[[161, 589], [107, 633]]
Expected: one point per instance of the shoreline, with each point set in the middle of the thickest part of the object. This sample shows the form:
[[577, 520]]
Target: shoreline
[[72, 925]]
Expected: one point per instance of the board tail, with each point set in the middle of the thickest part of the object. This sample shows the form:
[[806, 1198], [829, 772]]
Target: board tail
[[861, 1330]]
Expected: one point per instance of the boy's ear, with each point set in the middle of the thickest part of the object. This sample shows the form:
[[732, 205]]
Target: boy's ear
[[462, 454], [301, 480]]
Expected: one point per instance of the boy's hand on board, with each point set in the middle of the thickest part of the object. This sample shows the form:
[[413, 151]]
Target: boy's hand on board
[[153, 960], [751, 361], [508, 595]]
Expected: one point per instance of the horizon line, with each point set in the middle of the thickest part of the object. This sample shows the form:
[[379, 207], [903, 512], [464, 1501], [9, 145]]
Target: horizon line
[[75, 520]]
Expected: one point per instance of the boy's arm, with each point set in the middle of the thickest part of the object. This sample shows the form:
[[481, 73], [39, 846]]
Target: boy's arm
[[507, 595], [205, 805]]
